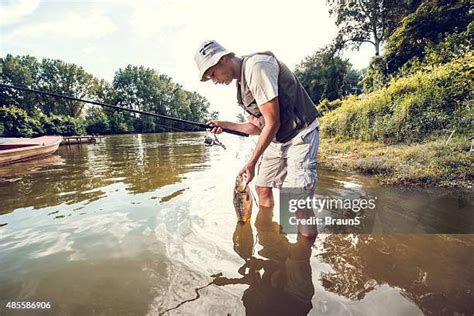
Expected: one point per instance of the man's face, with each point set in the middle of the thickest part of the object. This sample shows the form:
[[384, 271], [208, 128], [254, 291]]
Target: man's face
[[220, 73]]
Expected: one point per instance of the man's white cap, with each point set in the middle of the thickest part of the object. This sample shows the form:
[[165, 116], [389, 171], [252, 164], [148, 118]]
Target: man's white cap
[[208, 54]]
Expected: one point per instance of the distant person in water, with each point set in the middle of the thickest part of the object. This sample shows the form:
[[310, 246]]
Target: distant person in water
[[279, 110]]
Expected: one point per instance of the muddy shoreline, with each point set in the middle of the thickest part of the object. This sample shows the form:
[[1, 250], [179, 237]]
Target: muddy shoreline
[[431, 164]]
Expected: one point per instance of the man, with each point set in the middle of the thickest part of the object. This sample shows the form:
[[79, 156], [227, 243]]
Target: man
[[280, 111]]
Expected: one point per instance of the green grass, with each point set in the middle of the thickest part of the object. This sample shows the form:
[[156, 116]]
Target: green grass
[[409, 108], [431, 163], [398, 132]]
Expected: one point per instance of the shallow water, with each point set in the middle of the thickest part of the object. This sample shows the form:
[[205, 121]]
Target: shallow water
[[144, 224]]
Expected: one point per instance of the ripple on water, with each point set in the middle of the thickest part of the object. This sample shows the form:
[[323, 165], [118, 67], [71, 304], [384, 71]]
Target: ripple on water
[[143, 215]]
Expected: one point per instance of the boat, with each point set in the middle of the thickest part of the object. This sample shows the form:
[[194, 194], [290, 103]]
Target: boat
[[28, 148]]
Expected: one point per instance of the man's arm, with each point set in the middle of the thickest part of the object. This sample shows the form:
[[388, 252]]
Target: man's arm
[[250, 127]]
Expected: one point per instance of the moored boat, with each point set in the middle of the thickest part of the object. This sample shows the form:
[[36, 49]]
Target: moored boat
[[28, 148]]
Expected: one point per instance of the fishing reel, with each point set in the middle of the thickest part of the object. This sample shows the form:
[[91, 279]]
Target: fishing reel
[[209, 141]]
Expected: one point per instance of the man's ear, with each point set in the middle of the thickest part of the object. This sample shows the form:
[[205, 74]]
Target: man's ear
[[226, 58]]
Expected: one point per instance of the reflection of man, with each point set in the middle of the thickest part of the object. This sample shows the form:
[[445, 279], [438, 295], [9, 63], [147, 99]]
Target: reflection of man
[[285, 287], [279, 110]]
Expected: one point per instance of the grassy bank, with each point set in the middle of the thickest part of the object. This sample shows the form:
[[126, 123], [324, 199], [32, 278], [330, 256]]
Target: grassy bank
[[399, 131], [431, 163], [410, 108]]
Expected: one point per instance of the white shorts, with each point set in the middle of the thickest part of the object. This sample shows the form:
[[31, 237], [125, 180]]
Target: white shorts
[[291, 164]]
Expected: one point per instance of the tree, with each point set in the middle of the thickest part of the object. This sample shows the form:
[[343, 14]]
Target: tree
[[199, 107], [145, 89], [325, 76], [367, 21], [118, 124], [241, 118], [16, 122], [428, 26], [439, 31], [214, 115], [20, 71], [133, 87], [51, 75], [351, 83], [68, 79], [97, 121]]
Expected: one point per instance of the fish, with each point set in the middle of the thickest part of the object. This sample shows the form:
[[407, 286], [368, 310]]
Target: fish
[[242, 200]]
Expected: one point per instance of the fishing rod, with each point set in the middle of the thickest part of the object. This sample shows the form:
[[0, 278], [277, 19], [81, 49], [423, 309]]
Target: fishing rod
[[56, 95]]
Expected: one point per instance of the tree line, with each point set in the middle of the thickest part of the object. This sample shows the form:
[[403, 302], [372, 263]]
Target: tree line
[[407, 36], [408, 30], [134, 87], [418, 86]]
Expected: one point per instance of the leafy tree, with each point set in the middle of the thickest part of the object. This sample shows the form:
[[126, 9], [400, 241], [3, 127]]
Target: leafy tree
[[17, 123], [48, 75], [367, 21], [326, 76], [20, 71], [133, 87], [436, 33], [199, 107], [118, 124], [241, 118], [145, 89], [375, 76], [144, 124], [68, 79], [64, 125], [428, 26], [214, 115], [97, 122], [352, 79], [140, 88], [180, 108]]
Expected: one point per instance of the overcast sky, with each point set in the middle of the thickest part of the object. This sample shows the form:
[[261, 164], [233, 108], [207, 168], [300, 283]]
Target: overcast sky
[[105, 35]]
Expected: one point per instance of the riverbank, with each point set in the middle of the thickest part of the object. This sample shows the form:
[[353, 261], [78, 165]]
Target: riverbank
[[431, 163]]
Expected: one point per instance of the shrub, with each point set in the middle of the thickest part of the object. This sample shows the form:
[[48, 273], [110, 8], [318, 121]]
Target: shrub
[[326, 105], [118, 124], [17, 123], [64, 125], [97, 121], [409, 108]]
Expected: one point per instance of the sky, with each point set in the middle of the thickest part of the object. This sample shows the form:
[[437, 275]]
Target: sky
[[105, 35]]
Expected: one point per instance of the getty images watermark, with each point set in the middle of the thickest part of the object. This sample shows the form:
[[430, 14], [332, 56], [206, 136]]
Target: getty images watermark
[[347, 211], [326, 214]]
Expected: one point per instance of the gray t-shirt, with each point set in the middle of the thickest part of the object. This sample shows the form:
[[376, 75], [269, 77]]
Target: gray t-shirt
[[261, 72]]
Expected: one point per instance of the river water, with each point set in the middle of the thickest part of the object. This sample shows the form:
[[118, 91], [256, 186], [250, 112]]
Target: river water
[[145, 225]]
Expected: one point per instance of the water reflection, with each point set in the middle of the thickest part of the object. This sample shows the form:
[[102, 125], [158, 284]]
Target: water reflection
[[279, 283], [433, 279], [421, 210], [141, 224], [398, 210], [92, 288], [77, 174]]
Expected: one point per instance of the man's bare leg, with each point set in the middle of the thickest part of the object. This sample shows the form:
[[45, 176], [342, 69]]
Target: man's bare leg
[[265, 196]]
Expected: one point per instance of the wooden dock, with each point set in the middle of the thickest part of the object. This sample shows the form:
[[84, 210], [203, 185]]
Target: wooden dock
[[86, 139]]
